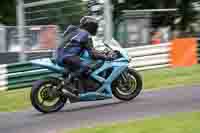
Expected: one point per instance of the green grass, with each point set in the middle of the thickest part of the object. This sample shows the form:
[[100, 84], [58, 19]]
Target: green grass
[[14, 100], [179, 123], [171, 77], [18, 100]]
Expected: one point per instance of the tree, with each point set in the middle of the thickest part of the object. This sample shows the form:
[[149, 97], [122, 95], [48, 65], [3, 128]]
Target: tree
[[141, 4], [119, 7], [185, 10], [158, 19], [8, 12], [61, 13], [187, 14]]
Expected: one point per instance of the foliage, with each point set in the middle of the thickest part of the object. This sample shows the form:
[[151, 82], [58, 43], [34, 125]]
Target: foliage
[[74, 9], [7, 12], [141, 4], [62, 13], [187, 14], [185, 10]]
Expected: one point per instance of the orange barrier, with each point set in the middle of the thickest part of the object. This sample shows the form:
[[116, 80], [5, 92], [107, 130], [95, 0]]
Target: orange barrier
[[184, 52]]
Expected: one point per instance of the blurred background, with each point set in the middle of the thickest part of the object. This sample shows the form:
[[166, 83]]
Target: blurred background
[[29, 27]]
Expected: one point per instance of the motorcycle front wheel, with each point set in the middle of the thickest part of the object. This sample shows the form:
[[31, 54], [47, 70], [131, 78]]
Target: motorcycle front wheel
[[128, 86], [44, 95]]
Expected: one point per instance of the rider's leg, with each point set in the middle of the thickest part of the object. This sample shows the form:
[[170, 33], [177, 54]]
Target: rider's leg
[[78, 64], [68, 63]]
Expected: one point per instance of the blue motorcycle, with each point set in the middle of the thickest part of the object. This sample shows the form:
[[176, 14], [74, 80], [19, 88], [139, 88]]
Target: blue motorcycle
[[109, 78]]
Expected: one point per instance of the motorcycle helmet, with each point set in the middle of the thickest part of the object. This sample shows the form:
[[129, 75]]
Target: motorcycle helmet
[[89, 24]]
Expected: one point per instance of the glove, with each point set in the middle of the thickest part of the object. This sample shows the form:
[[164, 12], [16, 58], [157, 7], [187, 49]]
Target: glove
[[110, 57]]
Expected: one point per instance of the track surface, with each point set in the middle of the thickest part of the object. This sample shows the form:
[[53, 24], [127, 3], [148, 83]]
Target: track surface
[[148, 104]]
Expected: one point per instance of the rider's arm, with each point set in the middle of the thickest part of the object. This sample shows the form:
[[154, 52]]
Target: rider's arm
[[93, 52], [83, 39], [96, 54]]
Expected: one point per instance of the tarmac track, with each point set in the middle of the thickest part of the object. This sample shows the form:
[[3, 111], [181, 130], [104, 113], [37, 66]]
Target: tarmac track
[[147, 104]]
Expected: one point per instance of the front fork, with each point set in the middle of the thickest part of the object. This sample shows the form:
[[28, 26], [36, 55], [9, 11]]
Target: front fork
[[124, 76]]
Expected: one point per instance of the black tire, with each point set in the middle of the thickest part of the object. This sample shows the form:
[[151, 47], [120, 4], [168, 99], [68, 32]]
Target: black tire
[[132, 95], [35, 100]]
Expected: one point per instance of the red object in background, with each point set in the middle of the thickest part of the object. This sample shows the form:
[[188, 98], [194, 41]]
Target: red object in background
[[156, 38], [47, 38], [156, 41]]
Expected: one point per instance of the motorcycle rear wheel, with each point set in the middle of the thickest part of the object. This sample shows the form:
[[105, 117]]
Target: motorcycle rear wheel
[[42, 90], [128, 86]]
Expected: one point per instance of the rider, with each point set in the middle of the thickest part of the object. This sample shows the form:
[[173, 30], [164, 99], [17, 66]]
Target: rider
[[78, 39]]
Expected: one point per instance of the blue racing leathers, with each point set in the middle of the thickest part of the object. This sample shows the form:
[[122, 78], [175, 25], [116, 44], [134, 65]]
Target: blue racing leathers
[[76, 40]]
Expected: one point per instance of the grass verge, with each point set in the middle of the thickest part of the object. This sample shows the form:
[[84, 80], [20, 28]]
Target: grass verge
[[17, 100], [168, 77], [179, 123], [14, 100]]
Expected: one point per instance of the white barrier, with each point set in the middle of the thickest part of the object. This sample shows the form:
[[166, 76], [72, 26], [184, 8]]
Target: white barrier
[[149, 50], [150, 57]]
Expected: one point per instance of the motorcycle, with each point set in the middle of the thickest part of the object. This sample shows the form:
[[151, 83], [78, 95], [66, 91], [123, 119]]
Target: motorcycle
[[108, 79]]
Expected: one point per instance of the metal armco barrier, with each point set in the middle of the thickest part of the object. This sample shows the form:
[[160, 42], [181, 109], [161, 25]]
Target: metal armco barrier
[[150, 57], [22, 75], [7, 58], [12, 57]]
